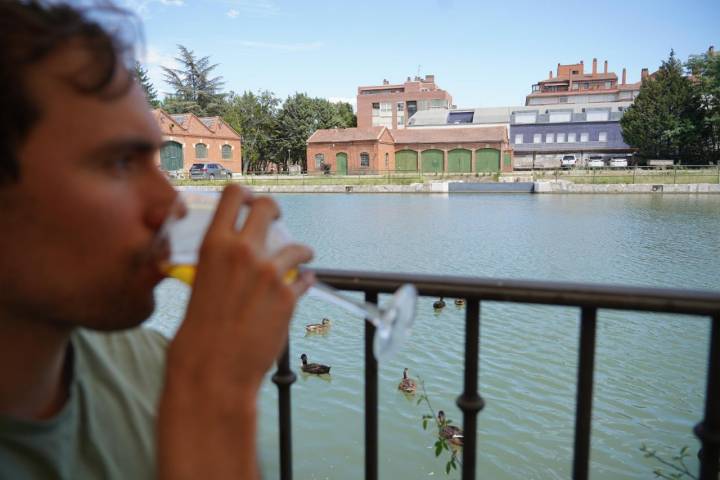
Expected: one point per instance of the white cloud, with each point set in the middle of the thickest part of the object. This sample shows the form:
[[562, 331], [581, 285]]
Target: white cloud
[[255, 8], [351, 100], [232, 13], [154, 59], [288, 47], [142, 7]]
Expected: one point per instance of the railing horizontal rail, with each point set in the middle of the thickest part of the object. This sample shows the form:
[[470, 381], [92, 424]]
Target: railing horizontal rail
[[694, 302]]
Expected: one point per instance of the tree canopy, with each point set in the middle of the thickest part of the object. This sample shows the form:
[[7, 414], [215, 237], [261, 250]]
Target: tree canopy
[[675, 116], [194, 88], [144, 80]]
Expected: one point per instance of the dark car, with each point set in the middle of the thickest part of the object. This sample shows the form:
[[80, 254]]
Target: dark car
[[209, 171]]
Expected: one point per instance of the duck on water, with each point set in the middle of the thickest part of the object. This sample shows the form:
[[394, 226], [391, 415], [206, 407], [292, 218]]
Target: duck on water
[[315, 368]]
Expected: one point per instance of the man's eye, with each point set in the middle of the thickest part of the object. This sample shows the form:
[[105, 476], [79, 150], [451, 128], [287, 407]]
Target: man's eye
[[122, 163]]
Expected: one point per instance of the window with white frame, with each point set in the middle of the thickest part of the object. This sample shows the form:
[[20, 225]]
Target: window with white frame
[[572, 137], [549, 138], [518, 138], [584, 136], [560, 138], [537, 138], [319, 160], [602, 137], [364, 159]]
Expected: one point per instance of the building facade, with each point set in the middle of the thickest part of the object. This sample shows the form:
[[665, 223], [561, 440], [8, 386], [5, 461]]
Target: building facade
[[391, 105], [541, 137], [189, 139], [376, 150], [351, 150], [572, 84]]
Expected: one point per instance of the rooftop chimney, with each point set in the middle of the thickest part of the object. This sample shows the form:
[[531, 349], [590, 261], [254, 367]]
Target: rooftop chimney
[[624, 78], [430, 78], [550, 74], [605, 67], [644, 74], [558, 70], [711, 51], [385, 82], [408, 79], [594, 71]]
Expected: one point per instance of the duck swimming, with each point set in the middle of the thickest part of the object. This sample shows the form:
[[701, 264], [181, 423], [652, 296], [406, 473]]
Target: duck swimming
[[316, 368], [322, 327], [407, 385], [451, 433], [459, 302], [439, 304]]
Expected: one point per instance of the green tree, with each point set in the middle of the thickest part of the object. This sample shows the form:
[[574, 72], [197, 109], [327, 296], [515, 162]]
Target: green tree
[[705, 71], [298, 118], [194, 90], [347, 116], [142, 76], [662, 122], [255, 117]]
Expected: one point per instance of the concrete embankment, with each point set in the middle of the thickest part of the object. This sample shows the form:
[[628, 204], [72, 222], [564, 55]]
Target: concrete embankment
[[569, 187], [558, 187]]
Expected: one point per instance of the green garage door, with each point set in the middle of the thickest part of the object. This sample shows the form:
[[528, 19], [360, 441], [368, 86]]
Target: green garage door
[[406, 161], [171, 156], [460, 161], [488, 160], [341, 163], [432, 161]]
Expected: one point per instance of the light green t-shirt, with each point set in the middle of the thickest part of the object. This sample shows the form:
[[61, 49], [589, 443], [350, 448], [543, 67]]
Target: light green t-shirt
[[106, 430]]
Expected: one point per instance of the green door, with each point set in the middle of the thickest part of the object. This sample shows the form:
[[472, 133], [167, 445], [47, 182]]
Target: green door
[[432, 161], [406, 161], [460, 161], [487, 160], [507, 161], [171, 156], [341, 163]]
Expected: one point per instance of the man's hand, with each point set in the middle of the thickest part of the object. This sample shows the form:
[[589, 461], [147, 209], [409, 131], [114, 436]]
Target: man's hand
[[236, 326]]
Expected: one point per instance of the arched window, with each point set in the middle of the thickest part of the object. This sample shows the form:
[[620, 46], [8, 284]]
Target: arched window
[[201, 150], [226, 152], [364, 159], [319, 160]]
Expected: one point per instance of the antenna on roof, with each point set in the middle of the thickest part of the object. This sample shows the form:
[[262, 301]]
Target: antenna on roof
[[418, 72]]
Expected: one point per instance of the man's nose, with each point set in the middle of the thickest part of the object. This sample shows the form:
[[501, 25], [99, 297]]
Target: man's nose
[[164, 202]]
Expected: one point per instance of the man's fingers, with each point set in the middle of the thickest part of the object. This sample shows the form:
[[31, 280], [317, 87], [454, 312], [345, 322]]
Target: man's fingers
[[232, 199], [263, 211], [304, 281]]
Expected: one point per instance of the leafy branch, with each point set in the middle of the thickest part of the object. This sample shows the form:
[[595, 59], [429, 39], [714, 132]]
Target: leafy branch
[[677, 464], [441, 443]]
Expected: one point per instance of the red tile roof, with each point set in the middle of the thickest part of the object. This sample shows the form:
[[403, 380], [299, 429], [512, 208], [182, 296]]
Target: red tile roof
[[449, 135], [337, 135]]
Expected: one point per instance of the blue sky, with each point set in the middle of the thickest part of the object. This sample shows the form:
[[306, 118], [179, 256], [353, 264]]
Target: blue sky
[[483, 53]]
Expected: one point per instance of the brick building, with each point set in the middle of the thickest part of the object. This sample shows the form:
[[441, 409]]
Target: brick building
[[188, 139], [391, 105], [572, 84], [378, 149]]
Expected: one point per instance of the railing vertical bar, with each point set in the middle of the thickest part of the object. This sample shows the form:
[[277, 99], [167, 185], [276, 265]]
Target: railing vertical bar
[[708, 431], [583, 411], [284, 378], [470, 402], [371, 398]]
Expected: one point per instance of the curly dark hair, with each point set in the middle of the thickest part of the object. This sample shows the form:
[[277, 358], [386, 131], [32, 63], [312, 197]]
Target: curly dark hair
[[29, 32]]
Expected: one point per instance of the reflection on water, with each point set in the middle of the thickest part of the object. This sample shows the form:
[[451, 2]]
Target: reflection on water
[[650, 369]]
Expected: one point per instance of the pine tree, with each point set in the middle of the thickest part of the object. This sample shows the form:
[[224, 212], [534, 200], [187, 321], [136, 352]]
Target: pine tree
[[194, 89], [662, 122], [142, 77]]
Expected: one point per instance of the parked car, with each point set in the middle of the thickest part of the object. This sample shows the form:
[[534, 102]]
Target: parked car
[[620, 162], [568, 161], [595, 161], [209, 171]]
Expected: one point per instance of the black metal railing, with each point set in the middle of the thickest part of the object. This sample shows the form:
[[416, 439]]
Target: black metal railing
[[588, 298]]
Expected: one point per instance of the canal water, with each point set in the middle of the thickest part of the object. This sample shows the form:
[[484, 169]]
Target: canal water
[[650, 368]]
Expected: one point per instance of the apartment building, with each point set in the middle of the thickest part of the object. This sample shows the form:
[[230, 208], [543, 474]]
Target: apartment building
[[391, 105]]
